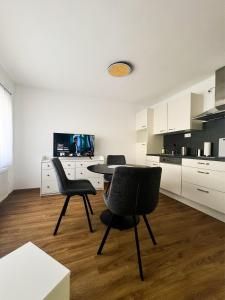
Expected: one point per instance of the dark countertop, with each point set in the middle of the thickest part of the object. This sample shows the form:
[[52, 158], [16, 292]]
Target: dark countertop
[[189, 157]]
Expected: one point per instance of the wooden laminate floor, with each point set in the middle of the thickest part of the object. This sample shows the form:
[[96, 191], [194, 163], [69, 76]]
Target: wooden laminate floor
[[188, 262]]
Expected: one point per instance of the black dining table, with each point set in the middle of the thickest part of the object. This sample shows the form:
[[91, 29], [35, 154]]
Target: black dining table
[[119, 222]]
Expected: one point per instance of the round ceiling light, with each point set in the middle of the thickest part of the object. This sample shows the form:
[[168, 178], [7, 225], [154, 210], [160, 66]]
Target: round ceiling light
[[120, 68]]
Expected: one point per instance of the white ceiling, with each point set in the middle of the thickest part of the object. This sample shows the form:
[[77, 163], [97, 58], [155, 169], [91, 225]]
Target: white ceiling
[[68, 44]]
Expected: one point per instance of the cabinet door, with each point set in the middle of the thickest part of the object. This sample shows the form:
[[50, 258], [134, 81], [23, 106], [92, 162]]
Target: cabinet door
[[179, 114], [160, 119], [141, 149], [142, 119], [171, 178]]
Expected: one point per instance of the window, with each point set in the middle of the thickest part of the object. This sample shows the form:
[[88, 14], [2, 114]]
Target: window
[[6, 129]]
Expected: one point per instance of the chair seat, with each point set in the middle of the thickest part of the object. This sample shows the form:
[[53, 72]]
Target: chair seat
[[79, 187]]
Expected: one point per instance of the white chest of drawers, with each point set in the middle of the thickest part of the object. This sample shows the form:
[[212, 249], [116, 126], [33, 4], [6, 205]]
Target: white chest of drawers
[[75, 168]]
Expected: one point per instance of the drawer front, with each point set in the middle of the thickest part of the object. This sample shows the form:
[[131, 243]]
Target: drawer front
[[204, 164], [84, 173], [152, 164], [49, 187], [70, 173], [68, 164], [152, 158], [207, 178], [48, 174], [98, 183], [85, 164], [204, 196], [47, 165]]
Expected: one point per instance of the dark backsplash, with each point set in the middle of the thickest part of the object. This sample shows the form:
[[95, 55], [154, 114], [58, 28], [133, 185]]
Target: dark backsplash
[[211, 132]]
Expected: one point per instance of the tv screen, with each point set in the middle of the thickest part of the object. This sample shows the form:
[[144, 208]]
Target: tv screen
[[66, 144]]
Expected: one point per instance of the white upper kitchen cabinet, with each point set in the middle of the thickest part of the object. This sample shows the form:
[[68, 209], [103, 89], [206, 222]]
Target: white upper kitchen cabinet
[[160, 119], [181, 111], [142, 119]]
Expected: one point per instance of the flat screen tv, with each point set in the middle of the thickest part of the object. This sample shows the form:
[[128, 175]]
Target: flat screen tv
[[72, 144]]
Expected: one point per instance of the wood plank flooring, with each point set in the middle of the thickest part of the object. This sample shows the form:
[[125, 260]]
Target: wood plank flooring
[[188, 262]]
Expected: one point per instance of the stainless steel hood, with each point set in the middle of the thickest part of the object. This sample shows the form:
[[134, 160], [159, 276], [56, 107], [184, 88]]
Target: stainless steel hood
[[219, 110]]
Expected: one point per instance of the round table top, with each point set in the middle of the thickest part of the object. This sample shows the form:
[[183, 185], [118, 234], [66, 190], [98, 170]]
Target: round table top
[[107, 169]]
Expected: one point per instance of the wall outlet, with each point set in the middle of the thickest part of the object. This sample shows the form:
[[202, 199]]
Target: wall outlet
[[187, 135]]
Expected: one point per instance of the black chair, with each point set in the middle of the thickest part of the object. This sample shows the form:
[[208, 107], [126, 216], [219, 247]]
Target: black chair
[[71, 188], [113, 160], [134, 191]]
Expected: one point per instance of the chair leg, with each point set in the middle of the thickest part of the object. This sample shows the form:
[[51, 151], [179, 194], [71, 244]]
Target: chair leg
[[89, 204], [87, 213], [65, 208], [104, 238], [149, 230], [61, 214], [138, 249]]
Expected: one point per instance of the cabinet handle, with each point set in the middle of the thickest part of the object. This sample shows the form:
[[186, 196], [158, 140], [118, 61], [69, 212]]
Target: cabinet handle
[[202, 163], [203, 172], [162, 130], [155, 164], [143, 144], [48, 165], [143, 126], [48, 175], [171, 128], [81, 173], [203, 191], [48, 186], [68, 173]]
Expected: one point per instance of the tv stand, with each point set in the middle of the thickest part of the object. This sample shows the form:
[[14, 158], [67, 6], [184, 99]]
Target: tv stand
[[75, 168]]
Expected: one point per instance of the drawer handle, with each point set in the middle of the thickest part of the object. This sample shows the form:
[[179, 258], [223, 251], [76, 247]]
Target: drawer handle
[[48, 165], [68, 173], [203, 191], [81, 173], [68, 165], [162, 130], [48, 187], [48, 175], [203, 172], [171, 128], [201, 163], [143, 126], [155, 164]]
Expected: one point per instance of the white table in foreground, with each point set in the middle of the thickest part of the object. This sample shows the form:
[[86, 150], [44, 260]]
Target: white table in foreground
[[28, 273]]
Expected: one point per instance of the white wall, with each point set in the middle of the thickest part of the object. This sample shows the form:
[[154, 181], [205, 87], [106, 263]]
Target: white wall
[[201, 87], [7, 175], [39, 113]]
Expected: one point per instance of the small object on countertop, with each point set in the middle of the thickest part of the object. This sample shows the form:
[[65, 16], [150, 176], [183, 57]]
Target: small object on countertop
[[163, 151], [207, 148], [184, 151], [198, 152]]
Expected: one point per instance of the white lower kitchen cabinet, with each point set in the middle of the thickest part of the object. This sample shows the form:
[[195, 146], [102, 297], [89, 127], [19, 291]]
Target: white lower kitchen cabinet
[[171, 178], [204, 196]]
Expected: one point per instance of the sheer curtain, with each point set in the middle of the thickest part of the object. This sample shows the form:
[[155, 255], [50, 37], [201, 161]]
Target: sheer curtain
[[6, 129]]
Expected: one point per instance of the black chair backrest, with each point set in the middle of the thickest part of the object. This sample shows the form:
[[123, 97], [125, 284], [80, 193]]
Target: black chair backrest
[[116, 160], [60, 175], [134, 190]]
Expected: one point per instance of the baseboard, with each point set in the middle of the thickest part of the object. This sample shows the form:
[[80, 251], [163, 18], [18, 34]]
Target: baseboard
[[211, 212]]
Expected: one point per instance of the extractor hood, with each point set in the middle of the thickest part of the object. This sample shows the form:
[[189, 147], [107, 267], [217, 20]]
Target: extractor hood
[[219, 110]]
